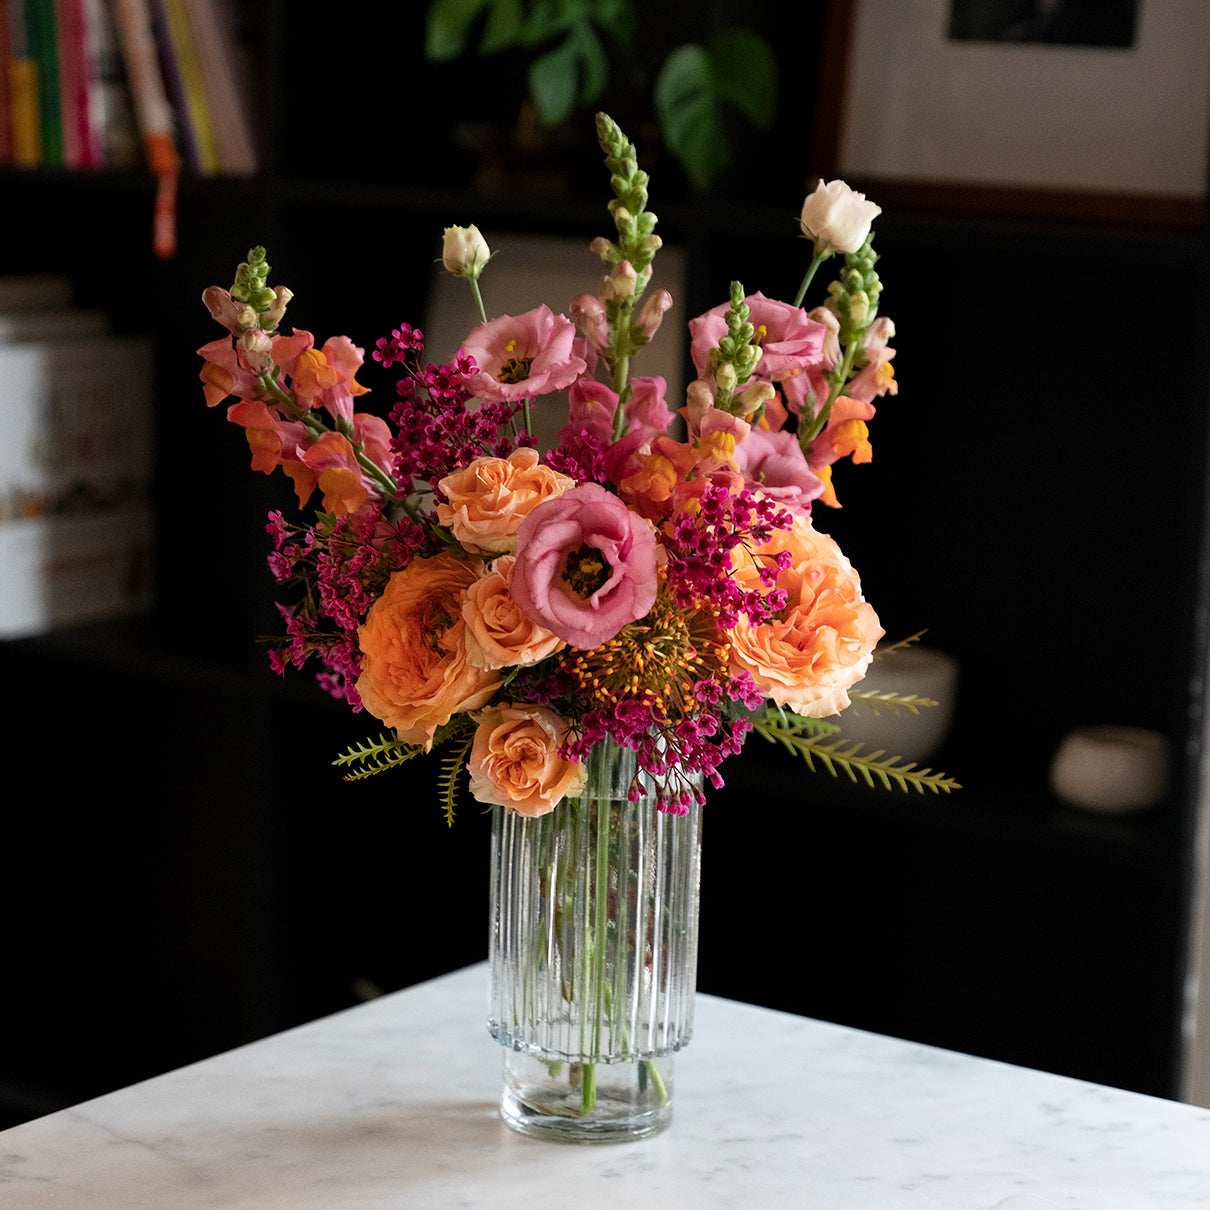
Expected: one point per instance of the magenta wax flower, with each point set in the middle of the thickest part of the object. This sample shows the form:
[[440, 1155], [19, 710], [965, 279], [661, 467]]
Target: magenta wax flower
[[521, 356], [586, 565]]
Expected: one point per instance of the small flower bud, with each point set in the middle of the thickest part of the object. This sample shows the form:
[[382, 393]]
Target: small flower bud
[[464, 252], [257, 348], [620, 284]]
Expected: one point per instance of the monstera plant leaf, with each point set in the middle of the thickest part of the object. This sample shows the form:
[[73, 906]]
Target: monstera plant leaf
[[694, 88]]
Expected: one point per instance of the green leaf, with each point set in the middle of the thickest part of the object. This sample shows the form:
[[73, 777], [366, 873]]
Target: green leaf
[[687, 109], [451, 767], [376, 756], [841, 756], [504, 26], [448, 27], [552, 83], [572, 74], [745, 74]]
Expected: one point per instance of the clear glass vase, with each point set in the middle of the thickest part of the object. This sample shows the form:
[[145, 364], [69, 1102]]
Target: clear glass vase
[[593, 956]]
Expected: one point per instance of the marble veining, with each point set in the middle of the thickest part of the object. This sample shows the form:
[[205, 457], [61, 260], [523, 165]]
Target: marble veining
[[393, 1104]]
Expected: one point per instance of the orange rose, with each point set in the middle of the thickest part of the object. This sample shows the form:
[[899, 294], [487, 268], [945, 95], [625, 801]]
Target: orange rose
[[515, 760], [414, 671], [487, 500], [821, 644], [499, 633]]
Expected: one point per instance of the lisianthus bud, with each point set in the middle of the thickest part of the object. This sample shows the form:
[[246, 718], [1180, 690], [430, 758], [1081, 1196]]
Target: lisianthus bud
[[464, 251], [837, 218]]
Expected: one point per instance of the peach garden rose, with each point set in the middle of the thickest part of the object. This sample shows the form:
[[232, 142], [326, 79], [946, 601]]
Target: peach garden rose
[[499, 633], [415, 675], [820, 645], [486, 501], [515, 760]]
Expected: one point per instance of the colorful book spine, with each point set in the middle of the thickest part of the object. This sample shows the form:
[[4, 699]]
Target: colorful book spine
[[155, 116], [43, 47], [214, 35], [24, 109], [183, 77]]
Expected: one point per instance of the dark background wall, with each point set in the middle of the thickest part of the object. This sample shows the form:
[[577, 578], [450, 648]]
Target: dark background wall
[[184, 871]]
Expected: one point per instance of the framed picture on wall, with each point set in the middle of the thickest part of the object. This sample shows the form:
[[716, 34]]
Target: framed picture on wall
[[1075, 109]]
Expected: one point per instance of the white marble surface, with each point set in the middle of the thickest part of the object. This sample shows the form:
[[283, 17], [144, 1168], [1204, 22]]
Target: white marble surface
[[393, 1105]]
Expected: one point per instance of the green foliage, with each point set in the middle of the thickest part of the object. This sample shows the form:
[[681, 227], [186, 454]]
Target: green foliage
[[876, 700], [452, 765], [570, 42], [838, 755], [695, 87], [375, 756]]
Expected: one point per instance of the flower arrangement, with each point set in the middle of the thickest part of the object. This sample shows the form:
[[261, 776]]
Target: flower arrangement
[[656, 577]]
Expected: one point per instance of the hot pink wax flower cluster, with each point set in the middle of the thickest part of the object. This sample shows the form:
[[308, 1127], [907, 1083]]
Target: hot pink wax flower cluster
[[655, 577]]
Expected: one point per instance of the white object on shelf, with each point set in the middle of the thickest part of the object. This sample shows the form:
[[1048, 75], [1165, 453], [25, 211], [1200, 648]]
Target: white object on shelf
[[64, 571], [1113, 770]]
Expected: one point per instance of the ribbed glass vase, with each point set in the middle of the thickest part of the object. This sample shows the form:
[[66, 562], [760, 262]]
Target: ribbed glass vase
[[594, 911]]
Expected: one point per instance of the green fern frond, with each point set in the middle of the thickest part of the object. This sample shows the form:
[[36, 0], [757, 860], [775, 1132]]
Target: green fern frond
[[900, 645], [840, 755], [874, 700], [376, 756], [451, 769]]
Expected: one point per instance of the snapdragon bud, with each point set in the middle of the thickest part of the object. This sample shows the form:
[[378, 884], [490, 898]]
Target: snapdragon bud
[[464, 252], [275, 313], [619, 286], [257, 348]]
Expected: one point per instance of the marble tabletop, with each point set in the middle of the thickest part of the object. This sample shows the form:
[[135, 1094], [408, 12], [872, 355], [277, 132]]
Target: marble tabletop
[[392, 1104]]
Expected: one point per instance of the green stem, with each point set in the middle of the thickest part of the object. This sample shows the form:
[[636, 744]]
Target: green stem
[[478, 299], [589, 1092], [838, 378], [816, 261]]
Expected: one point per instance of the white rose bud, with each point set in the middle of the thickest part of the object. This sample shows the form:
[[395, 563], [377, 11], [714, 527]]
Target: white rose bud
[[837, 218], [464, 251]]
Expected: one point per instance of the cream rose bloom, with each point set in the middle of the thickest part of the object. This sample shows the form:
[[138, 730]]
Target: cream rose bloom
[[837, 217], [499, 633], [820, 645], [515, 761], [486, 501]]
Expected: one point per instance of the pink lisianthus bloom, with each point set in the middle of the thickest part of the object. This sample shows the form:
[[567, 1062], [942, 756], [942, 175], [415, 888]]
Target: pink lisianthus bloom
[[321, 377], [522, 356], [791, 343], [586, 566], [773, 463], [516, 760], [815, 649]]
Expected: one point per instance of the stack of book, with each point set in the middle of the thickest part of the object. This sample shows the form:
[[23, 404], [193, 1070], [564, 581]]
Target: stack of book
[[76, 463], [114, 83]]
